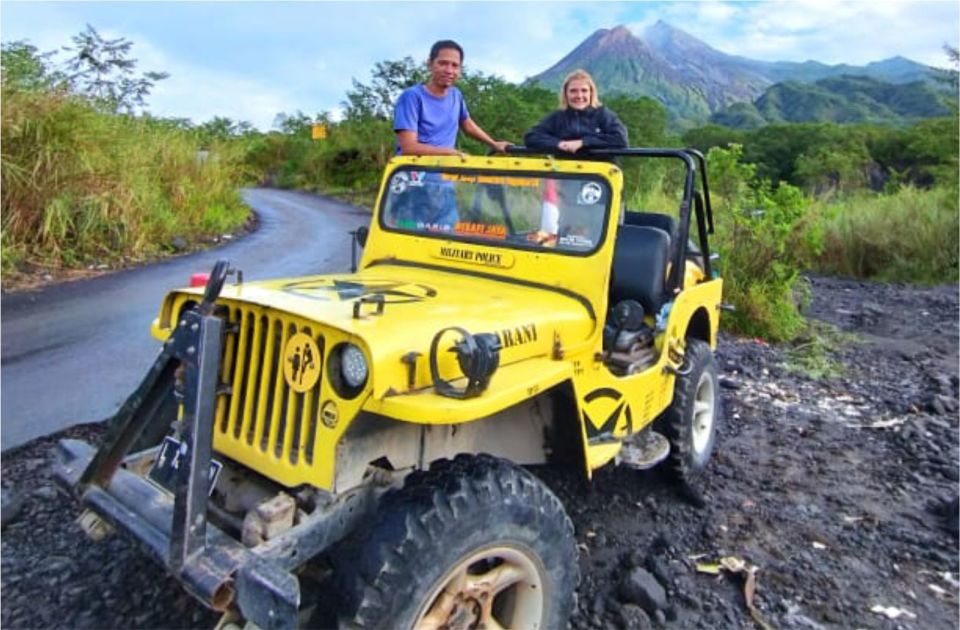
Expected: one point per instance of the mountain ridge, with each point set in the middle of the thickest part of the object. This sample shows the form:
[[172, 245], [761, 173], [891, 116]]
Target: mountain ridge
[[694, 80]]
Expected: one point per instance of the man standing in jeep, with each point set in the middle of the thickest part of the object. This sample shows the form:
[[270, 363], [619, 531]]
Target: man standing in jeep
[[428, 116]]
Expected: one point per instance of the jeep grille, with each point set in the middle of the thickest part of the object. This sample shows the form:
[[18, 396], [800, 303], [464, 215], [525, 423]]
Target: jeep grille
[[262, 416]]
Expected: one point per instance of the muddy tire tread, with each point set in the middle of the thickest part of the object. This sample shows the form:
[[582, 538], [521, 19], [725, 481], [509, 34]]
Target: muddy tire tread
[[378, 565], [675, 424]]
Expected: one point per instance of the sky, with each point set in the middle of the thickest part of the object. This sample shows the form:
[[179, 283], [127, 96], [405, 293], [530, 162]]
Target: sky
[[252, 60]]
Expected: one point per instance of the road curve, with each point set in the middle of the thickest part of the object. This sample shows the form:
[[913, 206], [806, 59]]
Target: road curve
[[72, 353]]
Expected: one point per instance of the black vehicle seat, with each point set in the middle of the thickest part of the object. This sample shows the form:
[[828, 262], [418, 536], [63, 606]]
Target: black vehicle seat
[[666, 223], [652, 219], [640, 258]]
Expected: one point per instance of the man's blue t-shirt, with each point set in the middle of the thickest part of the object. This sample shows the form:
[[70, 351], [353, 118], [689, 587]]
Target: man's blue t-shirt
[[436, 120]]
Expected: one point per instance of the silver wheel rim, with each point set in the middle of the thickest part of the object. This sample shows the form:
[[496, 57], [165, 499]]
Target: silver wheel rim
[[497, 587], [704, 407]]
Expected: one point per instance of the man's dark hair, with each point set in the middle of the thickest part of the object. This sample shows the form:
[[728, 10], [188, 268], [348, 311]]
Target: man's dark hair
[[443, 44]]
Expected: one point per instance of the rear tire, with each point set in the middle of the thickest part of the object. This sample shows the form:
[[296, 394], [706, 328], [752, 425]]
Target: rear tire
[[690, 423], [473, 541]]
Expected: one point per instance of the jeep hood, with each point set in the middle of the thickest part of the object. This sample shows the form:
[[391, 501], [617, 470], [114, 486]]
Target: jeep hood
[[417, 303]]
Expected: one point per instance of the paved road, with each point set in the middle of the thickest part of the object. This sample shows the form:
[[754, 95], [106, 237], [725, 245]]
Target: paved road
[[72, 353]]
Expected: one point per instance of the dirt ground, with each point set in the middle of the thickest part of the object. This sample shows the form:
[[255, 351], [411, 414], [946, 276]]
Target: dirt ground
[[837, 494]]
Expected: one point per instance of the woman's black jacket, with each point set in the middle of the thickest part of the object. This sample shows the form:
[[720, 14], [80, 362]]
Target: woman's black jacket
[[598, 127]]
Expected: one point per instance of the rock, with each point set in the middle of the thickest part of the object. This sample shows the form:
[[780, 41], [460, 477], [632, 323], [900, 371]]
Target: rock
[[178, 243], [936, 406], [795, 619], [598, 605], [661, 544], [949, 402], [709, 531], [642, 588], [33, 464], [633, 617], [634, 559], [656, 566], [944, 383], [951, 516], [729, 383], [46, 492], [10, 504]]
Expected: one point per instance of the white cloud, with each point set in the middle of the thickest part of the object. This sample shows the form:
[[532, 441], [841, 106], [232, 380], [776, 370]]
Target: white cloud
[[250, 61], [834, 32]]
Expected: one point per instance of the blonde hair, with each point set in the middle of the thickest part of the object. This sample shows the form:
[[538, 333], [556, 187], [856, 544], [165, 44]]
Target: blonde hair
[[579, 75]]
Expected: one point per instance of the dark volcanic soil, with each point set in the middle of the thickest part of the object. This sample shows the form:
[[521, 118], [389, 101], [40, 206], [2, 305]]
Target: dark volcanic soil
[[840, 491]]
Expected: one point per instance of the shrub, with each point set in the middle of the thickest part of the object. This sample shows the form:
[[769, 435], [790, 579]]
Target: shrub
[[81, 185], [762, 237], [908, 236]]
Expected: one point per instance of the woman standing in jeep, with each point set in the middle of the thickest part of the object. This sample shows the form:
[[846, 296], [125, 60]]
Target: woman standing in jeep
[[580, 123]]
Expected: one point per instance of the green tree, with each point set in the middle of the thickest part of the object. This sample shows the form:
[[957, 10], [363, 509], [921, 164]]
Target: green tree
[[838, 168], [705, 138], [388, 79], [23, 67], [299, 123], [223, 128], [503, 109], [102, 70]]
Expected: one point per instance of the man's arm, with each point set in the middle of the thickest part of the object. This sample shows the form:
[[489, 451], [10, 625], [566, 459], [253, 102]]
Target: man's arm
[[409, 145], [473, 130]]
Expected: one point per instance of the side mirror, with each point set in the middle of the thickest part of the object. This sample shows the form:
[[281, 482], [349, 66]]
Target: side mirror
[[359, 238], [361, 235]]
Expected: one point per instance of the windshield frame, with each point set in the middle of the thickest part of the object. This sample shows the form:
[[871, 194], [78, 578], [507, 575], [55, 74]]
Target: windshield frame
[[507, 244]]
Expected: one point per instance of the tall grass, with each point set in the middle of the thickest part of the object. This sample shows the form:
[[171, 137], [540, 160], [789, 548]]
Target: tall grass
[[80, 185], [908, 236]]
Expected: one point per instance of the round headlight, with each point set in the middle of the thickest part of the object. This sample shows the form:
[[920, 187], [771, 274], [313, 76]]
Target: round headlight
[[353, 366]]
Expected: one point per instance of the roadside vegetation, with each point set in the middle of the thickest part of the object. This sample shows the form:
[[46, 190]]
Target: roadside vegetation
[[84, 178]]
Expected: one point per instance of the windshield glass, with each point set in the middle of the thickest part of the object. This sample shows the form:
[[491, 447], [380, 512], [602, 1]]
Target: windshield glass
[[559, 213]]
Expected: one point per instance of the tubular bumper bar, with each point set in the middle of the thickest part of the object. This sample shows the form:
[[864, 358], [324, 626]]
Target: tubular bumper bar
[[221, 572]]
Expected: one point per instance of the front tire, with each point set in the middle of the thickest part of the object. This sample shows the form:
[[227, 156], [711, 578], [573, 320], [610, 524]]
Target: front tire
[[473, 542], [690, 423]]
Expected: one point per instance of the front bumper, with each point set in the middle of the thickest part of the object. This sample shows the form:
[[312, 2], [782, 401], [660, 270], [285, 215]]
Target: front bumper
[[222, 573], [217, 569]]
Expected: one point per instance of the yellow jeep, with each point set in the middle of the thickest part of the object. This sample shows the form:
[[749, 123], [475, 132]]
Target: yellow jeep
[[347, 449]]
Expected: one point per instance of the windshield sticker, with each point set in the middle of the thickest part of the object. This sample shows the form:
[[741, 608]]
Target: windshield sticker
[[422, 226], [529, 182], [399, 182], [526, 333], [503, 260], [417, 177], [486, 230], [575, 240], [590, 194]]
